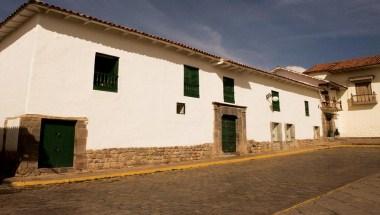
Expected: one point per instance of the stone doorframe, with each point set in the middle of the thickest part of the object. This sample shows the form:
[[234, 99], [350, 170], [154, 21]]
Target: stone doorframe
[[328, 124], [221, 109], [29, 140]]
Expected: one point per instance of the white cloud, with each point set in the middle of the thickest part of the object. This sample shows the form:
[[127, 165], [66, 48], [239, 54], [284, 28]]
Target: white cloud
[[298, 69]]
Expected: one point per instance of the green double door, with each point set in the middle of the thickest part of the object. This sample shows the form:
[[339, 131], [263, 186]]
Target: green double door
[[228, 133], [56, 148]]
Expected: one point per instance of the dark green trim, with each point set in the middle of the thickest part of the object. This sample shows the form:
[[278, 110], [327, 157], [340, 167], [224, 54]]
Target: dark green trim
[[191, 81], [307, 113], [228, 90], [276, 105], [106, 73], [228, 133], [57, 143]]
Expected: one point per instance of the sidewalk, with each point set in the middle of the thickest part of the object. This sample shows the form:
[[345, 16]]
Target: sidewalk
[[359, 197], [60, 178]]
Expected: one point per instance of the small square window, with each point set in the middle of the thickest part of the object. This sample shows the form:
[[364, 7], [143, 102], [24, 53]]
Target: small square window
[[180, 108]]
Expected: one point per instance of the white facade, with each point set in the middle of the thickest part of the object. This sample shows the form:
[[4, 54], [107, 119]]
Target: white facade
[[47, 67], [361, 120], [297, 76]]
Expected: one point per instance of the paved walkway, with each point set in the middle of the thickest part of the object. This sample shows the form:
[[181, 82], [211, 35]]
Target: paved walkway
[[253, 187], [359, 197]]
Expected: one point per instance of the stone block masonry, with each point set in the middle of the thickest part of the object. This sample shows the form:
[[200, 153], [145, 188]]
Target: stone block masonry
[[262, 147], [129, 157]]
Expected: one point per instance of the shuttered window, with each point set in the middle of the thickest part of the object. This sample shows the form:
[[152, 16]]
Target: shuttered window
[[275, 104], [307, 108], [228, 90], [363, 88], [191, 81], [106, 72]]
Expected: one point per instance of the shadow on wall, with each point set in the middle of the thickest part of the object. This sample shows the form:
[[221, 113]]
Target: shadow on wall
[[15, 143], [132, 45], [359, 107]]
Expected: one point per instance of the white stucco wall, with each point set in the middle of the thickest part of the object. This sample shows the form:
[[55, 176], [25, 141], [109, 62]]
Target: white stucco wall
[[359, 120], [16, 59], [143, 111], [297, 77]]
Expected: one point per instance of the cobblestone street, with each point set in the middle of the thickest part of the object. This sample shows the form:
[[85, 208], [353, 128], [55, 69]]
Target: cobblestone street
[[254, 187]]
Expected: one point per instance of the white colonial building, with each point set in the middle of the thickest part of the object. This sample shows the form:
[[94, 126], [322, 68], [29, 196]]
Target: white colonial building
[[82, 92], [357, 113]]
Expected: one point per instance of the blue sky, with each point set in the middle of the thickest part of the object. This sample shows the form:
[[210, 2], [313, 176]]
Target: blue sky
[[260, 33]]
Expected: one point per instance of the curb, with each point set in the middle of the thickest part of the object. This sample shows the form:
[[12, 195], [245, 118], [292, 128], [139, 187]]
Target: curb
[[28, 183]]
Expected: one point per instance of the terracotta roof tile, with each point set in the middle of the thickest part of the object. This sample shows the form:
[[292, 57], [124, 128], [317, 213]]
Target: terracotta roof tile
[[344, 65], [154, 37]]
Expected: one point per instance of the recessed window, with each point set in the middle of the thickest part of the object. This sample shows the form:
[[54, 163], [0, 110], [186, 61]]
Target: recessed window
[[275, 101], [180, 108], [106, 72], [307, 113], [276, 134], [290, 133], [363, 88], [191, 81], [228, 90], [317, 132]]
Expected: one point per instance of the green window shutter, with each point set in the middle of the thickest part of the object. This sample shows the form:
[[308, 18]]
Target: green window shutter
[[191, 81], [106, 72], [228, 90], [307, 108], [275, 105]]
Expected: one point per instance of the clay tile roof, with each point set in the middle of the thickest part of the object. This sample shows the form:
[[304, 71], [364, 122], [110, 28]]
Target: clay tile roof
[[47, 6], [344, 65]]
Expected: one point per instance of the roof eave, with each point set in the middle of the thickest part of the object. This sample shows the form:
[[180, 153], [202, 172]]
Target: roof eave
[[33, 7]]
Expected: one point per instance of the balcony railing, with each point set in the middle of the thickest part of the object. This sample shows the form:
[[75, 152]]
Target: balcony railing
[[105, 81], [332, 106], [363, 99]]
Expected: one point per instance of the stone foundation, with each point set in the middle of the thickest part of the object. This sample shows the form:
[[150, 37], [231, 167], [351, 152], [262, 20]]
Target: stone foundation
[[262, 147], [129, 157]]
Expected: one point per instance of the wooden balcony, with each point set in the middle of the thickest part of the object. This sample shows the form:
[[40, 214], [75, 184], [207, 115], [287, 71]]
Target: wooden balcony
[[363, 99], [331, 106]]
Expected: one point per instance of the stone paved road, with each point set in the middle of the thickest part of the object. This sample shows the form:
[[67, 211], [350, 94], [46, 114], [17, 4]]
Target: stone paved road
[[253, 187], [360, 197]]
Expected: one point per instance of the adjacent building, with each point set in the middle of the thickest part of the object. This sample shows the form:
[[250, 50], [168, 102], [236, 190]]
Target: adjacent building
[[356, 112]]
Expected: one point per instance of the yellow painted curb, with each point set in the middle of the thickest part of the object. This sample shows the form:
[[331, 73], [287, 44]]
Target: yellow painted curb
[[319, 196], [171, 168]]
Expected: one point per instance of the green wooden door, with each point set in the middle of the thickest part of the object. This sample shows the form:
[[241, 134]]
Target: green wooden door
[[229, 133], [57, 144]]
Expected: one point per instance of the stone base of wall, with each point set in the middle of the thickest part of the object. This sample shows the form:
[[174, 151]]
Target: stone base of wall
[[129, 157], [262, 147]]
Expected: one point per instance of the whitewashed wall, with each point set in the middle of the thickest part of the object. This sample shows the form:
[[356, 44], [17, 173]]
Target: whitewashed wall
[[143, 111], [296, 76], [16, 59]]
